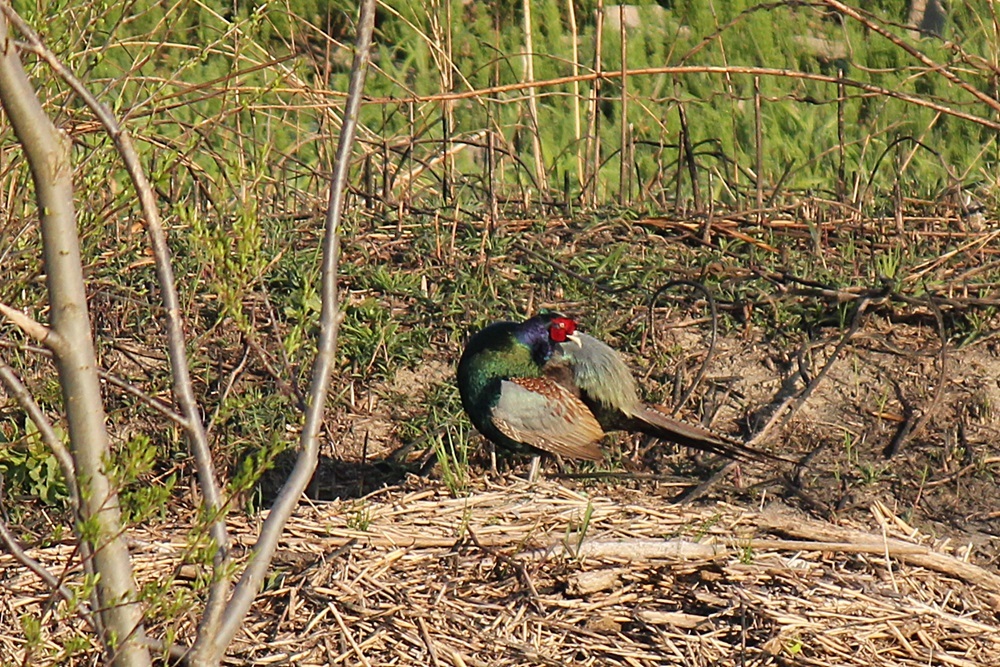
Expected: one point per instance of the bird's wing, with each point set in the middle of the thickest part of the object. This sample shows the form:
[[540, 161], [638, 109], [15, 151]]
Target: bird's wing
[[599, 375], [547, 416]]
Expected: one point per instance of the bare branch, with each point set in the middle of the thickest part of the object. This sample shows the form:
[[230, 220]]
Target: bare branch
[[213, 640], [114, 380], [151, 401], [32, 328]]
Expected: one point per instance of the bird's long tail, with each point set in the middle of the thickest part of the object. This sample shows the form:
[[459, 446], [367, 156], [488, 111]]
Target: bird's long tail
[[653, 421]]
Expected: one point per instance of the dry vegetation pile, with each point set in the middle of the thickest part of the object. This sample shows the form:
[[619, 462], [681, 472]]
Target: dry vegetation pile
[[546, 574]]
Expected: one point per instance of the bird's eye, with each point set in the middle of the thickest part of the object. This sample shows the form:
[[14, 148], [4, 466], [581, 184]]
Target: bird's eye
[[561, 328]]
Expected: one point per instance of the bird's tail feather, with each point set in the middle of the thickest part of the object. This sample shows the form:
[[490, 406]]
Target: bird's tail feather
[[653, 421]]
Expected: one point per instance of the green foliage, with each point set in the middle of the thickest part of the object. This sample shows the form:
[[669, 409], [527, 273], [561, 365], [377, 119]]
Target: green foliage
[[132, 467], [576, 531], [88, 530], [452, 451], [375, 342], [231, 256], [794, 646], [259, 451], [143, 502], [360, 519], [29, 468], [77, 646], [165, 600], [31, 626]]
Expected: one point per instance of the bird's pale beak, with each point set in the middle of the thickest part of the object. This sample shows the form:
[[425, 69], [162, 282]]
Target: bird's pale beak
[[575, 337]]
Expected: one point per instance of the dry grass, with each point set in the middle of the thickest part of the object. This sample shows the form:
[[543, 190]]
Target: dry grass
[[500, 578]]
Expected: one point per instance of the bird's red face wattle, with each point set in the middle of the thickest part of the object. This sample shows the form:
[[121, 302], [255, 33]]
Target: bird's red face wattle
[[561, 328]]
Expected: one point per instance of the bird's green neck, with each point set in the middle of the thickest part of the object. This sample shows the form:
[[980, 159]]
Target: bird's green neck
[[512, 361]]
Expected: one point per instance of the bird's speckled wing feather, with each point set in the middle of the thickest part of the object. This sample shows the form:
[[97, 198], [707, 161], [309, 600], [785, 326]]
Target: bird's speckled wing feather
[[546, 415]]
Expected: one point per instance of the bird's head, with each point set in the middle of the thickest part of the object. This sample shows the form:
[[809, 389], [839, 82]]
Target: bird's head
[[562, 329], [543, 333]]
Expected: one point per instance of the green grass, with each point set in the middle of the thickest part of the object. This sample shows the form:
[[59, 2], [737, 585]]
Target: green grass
[[360, 519], [576, 531], [451, 448]]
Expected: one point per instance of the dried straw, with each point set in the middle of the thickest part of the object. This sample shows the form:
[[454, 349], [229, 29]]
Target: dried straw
[[543, 574]]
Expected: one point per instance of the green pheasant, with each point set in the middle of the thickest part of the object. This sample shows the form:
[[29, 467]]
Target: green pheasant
[[541, 386]]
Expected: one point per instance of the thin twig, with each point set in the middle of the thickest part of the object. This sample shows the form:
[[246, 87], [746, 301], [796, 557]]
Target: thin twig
[[228, 385], [713, 339], [52, 581], [428, 642], [43, 334], [20, 393], [346, 633], [515, 564], [211, 645], [800, 400], [941, 69], [152, 402], [704, 487], [905, 433], [111, 379]]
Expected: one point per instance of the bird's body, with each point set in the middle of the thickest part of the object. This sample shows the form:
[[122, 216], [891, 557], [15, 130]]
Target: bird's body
[[541, 386], [508, 398]]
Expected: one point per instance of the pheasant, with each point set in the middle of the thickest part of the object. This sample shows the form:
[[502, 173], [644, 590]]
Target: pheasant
[[541, 386]]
